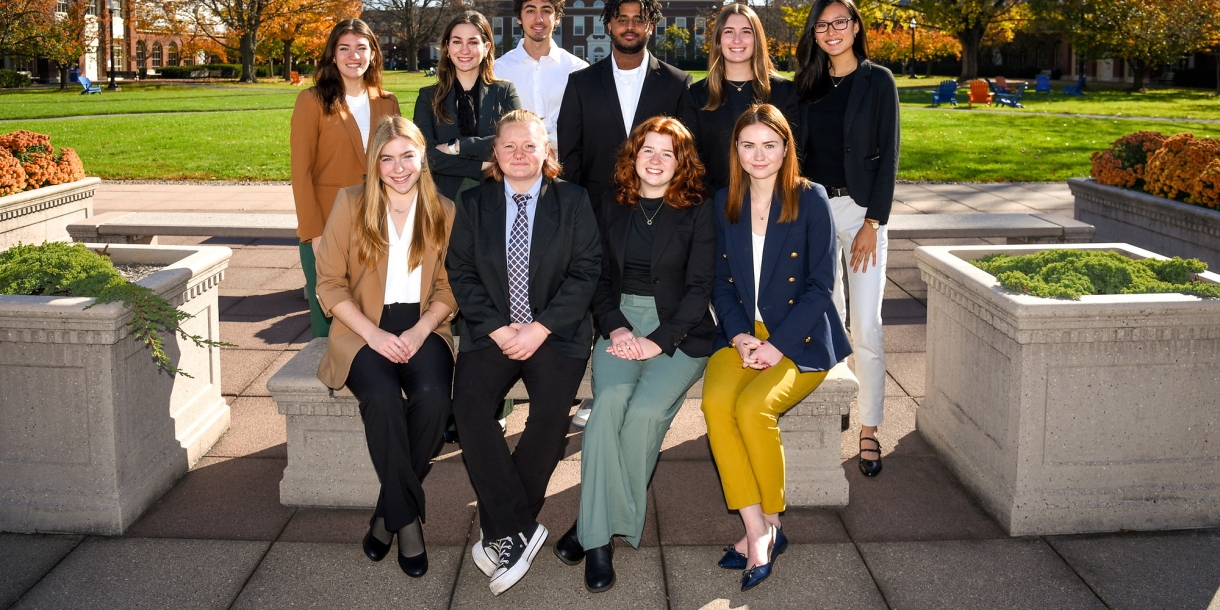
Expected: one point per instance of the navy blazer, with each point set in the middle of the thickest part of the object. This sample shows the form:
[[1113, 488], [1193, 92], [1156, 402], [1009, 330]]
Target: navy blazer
[[565, 262], [798, 272]]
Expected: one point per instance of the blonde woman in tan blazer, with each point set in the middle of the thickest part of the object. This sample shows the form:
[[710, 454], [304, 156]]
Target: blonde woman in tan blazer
[[330, 130], [381, 274]]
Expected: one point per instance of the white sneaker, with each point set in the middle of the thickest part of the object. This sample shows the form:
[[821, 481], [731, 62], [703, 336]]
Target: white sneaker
[[486, 556], [516, 554], [582, 414], [503, 425]]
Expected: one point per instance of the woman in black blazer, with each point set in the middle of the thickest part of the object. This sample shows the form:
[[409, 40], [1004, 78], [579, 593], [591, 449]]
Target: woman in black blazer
[[850, 123], [651, 307], [739, 75], [778, 333], [458, 114]]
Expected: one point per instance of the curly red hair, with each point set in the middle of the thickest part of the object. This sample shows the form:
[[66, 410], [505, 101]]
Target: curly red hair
[[686, 188]]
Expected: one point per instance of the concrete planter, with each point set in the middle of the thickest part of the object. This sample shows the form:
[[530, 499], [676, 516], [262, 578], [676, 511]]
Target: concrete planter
[[1162, 225], [1073, 416], [91, 431], [32, 217]]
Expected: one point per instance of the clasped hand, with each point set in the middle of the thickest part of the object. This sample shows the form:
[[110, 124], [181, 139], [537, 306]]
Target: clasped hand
[[398, 348], [625, 345], [756, 353], [520, 341]]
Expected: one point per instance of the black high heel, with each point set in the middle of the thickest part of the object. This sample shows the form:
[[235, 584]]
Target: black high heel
[[373, 548], [870, 468]]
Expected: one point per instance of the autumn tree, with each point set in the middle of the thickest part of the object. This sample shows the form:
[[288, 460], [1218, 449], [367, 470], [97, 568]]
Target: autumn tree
[[1146, 34], [672, 39], [418, 23], [22, 25], [63, 38], [969, 21], [307, 23]]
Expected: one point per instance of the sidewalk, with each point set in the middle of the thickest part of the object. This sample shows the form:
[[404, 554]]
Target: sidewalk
[[911, 538]]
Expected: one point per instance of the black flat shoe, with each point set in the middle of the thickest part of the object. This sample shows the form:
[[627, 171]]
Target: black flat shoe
[[599, 568], [450, 435], [568, 548], [732, 560], [870, 468], [414, 566], [374, 548]]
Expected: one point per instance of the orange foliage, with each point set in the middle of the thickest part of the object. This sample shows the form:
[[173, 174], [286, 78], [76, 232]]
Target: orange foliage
[[12, 176], [894, 44], [1178, 164], [1122, 164], [28, 161]]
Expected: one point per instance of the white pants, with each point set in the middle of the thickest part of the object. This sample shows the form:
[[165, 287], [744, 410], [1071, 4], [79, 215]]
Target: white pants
[[867, 290]]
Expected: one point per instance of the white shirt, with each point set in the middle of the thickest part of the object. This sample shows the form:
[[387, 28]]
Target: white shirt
[[759, 241], [629, 84], [541, 82], [510, 212], [359, 107], [402, 285]]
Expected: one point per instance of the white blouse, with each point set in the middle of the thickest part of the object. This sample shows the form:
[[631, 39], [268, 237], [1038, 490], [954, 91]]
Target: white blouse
[[359, 107], [759, 240], [402, 285]]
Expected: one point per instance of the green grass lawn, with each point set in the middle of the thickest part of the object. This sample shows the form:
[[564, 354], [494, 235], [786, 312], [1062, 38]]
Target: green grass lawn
[[240, 132]]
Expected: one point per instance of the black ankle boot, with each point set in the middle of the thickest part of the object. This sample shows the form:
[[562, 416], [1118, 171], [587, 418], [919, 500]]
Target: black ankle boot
[[599, 568], [568, 548]]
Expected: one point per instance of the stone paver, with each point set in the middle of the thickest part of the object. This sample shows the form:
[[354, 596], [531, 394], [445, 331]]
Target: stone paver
[[25, 558]]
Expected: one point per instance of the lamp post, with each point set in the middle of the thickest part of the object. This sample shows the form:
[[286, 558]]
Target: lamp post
[[913, 26], [114, 8]]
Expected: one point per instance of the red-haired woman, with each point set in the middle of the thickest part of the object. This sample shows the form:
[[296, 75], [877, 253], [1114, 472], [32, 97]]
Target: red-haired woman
[[651, 306], [779, 333]]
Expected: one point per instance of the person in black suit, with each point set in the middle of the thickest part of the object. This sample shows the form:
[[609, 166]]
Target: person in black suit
[[739, 75], [524, 260], [651, 306], [605, 101], [458, 114], [631, 84]]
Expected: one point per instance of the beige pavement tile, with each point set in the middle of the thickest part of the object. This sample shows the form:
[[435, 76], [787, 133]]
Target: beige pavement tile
[[256, 429], [940, 206], [908, 370], [239, 367], [258, 387], [269, 304], [904, 338], [687, 437], [259, 332], [897, 435]]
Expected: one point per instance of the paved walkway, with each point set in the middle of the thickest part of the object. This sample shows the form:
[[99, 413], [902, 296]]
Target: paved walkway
[[912, 538]]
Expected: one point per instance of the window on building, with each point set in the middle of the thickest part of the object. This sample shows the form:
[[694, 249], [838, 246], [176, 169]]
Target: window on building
[[579, 51], [141, 54], [498, 27], [599, 28], [661, 27], [173, 54], [516, 29], [578, 25], [599, 4], [700, 25], [157, 56], [116, 48], [680, 22], [557, 36], [61, 6], [578, 4], [90, 7]]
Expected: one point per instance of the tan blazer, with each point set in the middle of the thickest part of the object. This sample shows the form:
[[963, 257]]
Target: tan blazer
[[327, 154], [341, 277]]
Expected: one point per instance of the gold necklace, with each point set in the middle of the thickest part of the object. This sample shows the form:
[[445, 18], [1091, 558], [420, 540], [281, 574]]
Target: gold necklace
[[832, 80], [736, 86], [654, 214]]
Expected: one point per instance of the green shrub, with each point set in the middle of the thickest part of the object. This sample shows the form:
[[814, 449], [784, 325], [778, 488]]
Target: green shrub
[[1070, 274], [11, 78], [58, 269]]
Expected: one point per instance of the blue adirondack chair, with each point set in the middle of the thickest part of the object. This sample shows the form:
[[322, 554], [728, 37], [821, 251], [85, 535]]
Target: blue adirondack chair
[[1077, 89], [1012, 100], [995, 89], [946, 93], [88, 87], [1043, 84]]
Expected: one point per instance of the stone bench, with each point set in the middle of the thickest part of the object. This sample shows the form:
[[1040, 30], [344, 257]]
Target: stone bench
[[328, 460], [143, 227], [1017, 228]]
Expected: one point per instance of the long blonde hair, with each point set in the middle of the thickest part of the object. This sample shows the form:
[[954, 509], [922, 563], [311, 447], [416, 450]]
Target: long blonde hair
[[370, 228], [446, 73], [788, 183], [763, 68]]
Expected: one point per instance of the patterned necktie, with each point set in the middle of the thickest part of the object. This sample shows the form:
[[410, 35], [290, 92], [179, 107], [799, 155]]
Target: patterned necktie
[[519, 264]]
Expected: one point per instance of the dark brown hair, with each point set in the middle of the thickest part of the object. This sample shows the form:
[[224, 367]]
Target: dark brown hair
[[328, 82], [446, 73], [519, 5], [686, 187], [788, 183]]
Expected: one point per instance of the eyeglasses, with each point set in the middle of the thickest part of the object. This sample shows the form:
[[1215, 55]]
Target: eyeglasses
[[838, 24]]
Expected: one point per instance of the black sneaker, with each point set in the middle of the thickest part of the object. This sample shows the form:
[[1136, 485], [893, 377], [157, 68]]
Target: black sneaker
[[516, 554]]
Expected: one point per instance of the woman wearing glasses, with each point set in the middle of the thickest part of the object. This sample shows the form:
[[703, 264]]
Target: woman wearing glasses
[[849, 127]]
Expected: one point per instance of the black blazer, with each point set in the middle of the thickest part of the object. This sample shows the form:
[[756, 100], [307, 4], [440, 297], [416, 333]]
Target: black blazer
[[565, 261], [590, 125], [798, 272], [683, 266], [870, 138], [448, 170], [713, 129]]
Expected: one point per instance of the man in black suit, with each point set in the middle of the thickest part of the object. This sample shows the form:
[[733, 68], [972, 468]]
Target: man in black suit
[[524, 260], [605, 101]]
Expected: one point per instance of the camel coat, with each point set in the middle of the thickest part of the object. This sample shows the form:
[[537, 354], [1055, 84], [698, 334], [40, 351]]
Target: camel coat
[[327, 154], [341, 277]]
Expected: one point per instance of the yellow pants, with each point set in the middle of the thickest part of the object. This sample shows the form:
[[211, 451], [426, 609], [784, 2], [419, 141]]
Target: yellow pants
[[742, 408]]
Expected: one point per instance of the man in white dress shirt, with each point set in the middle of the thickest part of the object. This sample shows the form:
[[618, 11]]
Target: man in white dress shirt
[[538, 67]]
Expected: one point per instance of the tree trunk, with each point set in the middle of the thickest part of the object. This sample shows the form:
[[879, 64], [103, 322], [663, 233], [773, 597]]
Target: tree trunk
[[1218, 73], [929, 68], [247, 58], [63, 77], [288, 60], [412, 59], [1138, 67], [971, 40]]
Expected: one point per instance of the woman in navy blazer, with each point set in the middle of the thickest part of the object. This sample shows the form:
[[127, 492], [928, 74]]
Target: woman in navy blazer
[[778, 332]]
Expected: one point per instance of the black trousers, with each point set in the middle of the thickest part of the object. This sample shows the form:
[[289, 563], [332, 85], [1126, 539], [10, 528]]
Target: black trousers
[[403, 435], [511, 487]]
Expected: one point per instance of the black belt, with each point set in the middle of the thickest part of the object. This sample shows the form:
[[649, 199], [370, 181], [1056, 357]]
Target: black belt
[[833, 192]]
